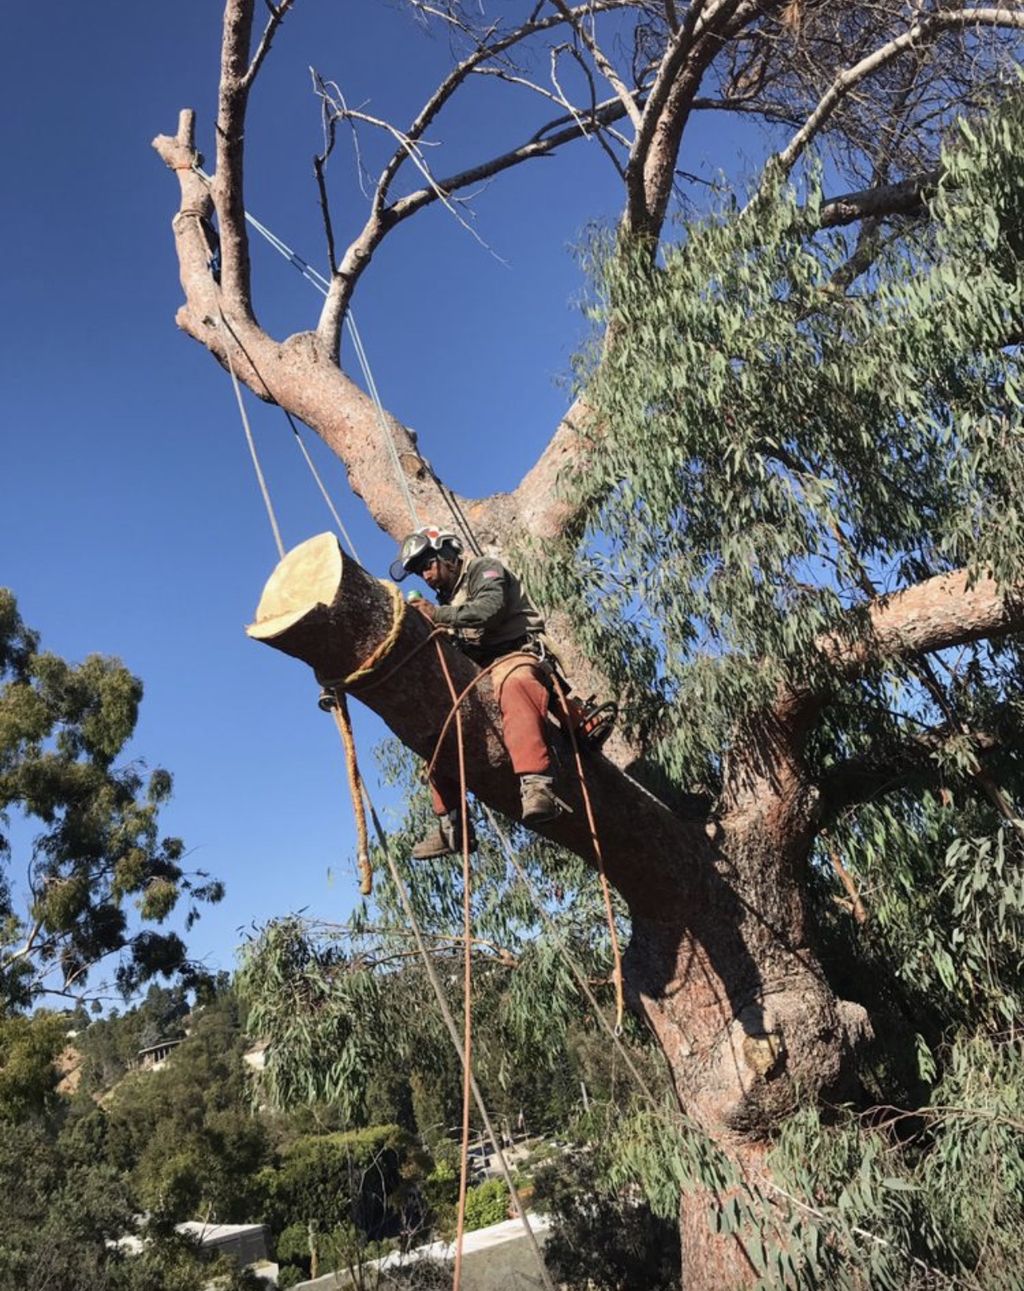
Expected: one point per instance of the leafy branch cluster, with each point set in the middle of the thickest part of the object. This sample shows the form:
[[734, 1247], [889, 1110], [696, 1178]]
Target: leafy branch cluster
[[772, 451], [62, 727], [340, 1003]]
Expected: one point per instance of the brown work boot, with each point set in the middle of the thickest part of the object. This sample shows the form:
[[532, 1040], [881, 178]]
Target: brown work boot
[[445, 839], [539, 801]]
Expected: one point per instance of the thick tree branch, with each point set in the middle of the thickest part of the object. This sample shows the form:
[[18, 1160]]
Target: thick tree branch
[[915, 763], [325, 610], [228, 186], [947, 610], [908, 197], [651, 171]]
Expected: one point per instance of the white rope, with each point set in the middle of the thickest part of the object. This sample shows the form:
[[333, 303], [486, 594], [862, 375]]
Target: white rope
[[252, 445], [323, 287], [321, 486]]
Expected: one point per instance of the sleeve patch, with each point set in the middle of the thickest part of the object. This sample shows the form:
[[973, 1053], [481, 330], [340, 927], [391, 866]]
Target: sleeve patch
[[491, 573]]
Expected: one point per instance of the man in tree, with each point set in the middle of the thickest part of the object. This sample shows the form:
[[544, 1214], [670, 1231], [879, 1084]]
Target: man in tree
[[485, 608]]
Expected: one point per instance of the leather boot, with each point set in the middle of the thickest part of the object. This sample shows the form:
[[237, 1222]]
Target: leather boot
[[445, 839], [539, 801]]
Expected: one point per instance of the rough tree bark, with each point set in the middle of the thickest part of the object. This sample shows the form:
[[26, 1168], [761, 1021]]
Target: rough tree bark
[[720, 961]]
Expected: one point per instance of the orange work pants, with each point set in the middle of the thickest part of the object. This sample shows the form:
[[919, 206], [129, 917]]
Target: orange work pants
[[523, 698]]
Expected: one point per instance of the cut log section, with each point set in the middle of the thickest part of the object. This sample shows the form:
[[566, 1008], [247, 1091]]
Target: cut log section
[[325, 609]]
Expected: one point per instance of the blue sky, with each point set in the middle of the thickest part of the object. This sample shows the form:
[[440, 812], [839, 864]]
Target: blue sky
[[130, 523]]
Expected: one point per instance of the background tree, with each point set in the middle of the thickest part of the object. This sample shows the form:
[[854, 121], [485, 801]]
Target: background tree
[[62, 727], [781, 501]]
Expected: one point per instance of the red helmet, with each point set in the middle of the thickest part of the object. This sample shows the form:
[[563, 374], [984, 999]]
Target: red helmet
[[421, 547]]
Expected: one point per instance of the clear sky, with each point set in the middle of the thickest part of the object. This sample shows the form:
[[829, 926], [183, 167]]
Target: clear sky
[[130, 523]]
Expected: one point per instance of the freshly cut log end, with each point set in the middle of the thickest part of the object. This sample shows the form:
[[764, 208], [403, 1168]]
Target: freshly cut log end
[[308, 579]]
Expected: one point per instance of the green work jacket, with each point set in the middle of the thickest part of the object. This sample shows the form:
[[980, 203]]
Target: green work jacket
[[489, 609]]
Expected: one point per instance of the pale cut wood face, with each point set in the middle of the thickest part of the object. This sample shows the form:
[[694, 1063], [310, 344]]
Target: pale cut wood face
[[308, 576]]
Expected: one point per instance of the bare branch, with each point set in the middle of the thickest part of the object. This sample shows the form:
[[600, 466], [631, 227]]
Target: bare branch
[[228, 181], [925, 29], [277, 15], [483, 53], [359, 253], [905, 198], [947, 610], [855, 904], [651, 171], [30, 947], [602, 63], [330, 125]]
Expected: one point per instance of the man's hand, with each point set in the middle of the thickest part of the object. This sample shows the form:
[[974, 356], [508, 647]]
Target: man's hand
[[424, 607]]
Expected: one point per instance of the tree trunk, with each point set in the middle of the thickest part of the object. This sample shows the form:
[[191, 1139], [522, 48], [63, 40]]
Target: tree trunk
[[719, 962]]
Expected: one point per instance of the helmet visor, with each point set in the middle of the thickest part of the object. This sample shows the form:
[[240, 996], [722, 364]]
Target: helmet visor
[[417, 552]]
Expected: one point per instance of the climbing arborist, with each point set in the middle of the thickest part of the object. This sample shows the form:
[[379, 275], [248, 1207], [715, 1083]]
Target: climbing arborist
[[491, 618]]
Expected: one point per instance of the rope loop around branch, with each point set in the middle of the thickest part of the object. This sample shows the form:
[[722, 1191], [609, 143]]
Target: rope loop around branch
[[381, 652]]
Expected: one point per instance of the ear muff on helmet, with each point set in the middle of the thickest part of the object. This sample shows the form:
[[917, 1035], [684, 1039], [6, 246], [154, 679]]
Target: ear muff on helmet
[[421, 547]]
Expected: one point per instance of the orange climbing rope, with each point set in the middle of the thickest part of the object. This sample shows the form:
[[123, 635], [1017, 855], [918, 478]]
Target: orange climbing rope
[[355, 788], [527, 659], [598, 857], [467, 974], [570, 725]]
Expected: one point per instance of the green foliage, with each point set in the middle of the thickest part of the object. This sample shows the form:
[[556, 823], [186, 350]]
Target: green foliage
[[62, 727], [185, 1132], [767, 441], [110, 1045], [363, 1179], [914, 1199], [28, 1076], [60, 1214], [350, 1017], [778, 445], [486, 1204], [774, 448], [601, 1239]]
